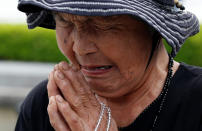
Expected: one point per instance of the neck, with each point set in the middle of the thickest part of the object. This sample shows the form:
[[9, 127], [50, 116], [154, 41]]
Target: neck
[[144, 92]]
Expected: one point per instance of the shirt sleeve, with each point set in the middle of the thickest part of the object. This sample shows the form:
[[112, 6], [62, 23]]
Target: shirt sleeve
[[23, 122], [33, 115]]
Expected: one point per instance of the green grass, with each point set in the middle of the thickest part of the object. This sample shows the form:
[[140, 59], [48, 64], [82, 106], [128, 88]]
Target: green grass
[[19, 43]]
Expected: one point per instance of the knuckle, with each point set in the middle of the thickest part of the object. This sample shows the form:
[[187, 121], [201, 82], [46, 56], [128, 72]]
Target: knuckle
[[61, 64], [52, 108], [77, 102], [64, 107], [64, 85]]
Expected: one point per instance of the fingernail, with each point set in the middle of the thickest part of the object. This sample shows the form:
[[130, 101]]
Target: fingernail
[[59, 98], [60, 75]]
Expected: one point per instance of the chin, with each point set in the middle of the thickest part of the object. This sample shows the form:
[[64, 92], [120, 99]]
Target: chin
[[104, 89]]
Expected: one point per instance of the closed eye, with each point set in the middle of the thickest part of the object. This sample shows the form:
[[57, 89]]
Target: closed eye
[[60, 21], [107, 28]]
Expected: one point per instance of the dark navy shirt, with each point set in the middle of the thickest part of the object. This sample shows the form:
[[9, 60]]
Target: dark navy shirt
[[182, 110]]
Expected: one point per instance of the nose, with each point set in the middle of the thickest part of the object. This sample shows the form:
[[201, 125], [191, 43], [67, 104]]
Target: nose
[[83, 46]]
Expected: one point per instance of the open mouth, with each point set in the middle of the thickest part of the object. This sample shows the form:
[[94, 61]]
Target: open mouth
[[96, 70]]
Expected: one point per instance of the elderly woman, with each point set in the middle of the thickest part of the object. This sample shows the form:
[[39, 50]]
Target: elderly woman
[[121, 76]]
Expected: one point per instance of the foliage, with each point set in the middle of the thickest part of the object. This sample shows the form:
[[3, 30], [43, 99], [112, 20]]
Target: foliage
[[191, 51], [19, 43]]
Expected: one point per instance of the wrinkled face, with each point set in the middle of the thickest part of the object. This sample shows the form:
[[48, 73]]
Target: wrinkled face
[[112, 51]]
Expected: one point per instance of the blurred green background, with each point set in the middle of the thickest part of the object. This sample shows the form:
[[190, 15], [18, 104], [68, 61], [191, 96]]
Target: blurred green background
[[19, 43]]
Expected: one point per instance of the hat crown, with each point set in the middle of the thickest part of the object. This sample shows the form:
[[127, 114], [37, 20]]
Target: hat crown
[[166, 2]]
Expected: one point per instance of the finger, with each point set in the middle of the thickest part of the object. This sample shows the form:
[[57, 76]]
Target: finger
[[76, 78], [69, 114], [66, 89], [78, 83], [51, 86], [81, 87], [64, 66], [56, 67], [68, 69], [55, 117], [84, 95]]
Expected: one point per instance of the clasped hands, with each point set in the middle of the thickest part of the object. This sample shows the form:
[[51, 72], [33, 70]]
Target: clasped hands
[[72, 104]]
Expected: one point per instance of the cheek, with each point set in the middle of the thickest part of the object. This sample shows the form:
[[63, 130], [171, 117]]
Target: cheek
[[65, 44], [134, 73], [62, 40], [129, 66], [62, 48]]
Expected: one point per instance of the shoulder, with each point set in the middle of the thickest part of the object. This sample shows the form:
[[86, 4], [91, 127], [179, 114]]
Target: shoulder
[[188, 76], [184, 99], [187, 84], [37, 97], [33, 114], [193, 70]]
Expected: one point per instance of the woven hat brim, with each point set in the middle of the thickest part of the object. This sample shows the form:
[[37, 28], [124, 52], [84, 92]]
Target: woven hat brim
[[174, 26]]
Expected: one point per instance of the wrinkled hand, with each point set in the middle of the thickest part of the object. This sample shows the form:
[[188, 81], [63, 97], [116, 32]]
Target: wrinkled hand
[[72, 104]]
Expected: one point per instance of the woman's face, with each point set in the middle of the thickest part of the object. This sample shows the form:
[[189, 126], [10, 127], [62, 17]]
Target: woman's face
[[112, 51]]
